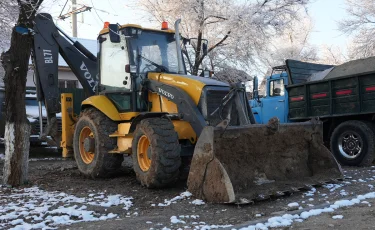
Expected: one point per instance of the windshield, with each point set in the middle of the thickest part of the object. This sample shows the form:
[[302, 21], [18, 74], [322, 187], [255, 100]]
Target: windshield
[[154, 51]]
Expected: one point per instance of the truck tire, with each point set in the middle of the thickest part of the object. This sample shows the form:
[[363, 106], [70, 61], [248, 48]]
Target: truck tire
[[352, 143], [156, 153], [91, 143]]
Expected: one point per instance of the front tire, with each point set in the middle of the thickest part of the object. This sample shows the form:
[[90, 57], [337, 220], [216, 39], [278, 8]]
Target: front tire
[[352, 143], [156, 153], [91, 143]]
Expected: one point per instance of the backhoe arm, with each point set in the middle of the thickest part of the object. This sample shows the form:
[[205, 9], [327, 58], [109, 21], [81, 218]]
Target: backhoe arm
[[49, 41]]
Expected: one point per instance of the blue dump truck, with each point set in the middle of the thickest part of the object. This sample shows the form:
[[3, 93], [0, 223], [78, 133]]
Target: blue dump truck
[[343, 97]]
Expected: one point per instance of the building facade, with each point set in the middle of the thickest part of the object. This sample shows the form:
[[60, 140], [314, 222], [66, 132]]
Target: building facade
[[67, 79]]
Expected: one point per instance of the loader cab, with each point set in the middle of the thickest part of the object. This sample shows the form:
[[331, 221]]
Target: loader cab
[[126, 54], [274, 103]]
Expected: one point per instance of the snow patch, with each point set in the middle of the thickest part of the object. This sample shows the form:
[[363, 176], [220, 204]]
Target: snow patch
[[182, 196], [337, 217], [175, 220], [31, 208], [343, 192], [288, 219], [294, 204], [311, 192], [198, 202], [332, 187]]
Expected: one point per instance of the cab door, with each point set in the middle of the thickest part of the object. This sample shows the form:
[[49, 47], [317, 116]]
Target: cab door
[[274, 103]]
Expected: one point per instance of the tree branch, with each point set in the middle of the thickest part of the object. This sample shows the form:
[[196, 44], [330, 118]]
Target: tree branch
[[219, 43]]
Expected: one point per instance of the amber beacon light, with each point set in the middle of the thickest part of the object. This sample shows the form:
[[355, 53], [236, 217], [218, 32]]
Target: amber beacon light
[[164, 25]]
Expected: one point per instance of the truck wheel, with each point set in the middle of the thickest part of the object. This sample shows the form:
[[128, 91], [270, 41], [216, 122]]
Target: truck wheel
[[91, 143], [156, 153], [352, 143]]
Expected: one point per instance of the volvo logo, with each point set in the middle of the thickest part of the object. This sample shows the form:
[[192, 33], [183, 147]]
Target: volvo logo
[[90, 80], [165, 93]]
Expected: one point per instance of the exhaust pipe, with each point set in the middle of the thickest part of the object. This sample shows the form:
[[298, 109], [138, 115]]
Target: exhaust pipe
[[178, 47]]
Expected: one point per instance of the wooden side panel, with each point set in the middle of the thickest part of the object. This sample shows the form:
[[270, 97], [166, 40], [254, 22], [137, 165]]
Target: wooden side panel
[[345, 96], [367, 89], [336, 97], [297, 102], [319, 99]]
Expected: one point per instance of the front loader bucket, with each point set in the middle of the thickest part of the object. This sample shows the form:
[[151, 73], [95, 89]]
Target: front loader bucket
[[245, 163]]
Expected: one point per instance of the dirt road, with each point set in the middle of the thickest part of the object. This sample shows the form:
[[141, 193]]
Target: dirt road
[[138, 208]]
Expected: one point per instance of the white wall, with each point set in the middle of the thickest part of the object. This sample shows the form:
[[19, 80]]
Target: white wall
[[66, 75]]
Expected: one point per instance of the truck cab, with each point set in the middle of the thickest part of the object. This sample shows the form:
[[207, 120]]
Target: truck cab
[[274, 102]]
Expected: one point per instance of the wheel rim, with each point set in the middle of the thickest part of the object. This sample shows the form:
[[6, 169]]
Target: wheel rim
[[143, 153], [87, 156], [350, 144]]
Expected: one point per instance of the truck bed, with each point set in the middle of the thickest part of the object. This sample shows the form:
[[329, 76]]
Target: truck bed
[[353, 94]]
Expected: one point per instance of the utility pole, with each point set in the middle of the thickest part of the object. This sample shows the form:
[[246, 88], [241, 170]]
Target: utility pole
[[74, 18]]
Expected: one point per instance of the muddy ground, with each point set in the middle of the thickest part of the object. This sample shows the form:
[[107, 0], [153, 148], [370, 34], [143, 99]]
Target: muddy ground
[[56, 174]]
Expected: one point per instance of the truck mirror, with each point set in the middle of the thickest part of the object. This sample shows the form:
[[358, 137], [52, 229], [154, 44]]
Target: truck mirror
[[206, 73], [114, 35], [255, 88], [204, 48]]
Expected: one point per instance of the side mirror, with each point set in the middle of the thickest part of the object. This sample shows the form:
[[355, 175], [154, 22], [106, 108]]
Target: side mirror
[[204, 48], [130, 68], [255, 88], [206, 73], [114, 35]]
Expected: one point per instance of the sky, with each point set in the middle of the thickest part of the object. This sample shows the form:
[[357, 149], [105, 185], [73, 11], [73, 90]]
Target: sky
[[326, 14], [91, 22]]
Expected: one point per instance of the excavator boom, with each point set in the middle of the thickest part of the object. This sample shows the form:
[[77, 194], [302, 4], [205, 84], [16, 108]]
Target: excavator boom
[[49, 42]]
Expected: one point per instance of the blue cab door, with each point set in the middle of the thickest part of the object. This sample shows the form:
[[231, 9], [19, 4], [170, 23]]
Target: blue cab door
[[275, 101]]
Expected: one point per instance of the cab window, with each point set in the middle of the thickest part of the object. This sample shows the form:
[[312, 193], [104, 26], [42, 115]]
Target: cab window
[[277, 88]]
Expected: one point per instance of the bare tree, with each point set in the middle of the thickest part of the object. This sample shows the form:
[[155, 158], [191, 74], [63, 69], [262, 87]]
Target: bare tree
[[361, 24], [292, 44], [238, 31], [8, 17], [332, 55], [15, 62]]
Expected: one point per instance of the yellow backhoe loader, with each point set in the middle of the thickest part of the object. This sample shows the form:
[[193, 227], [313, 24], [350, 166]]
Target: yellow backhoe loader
[[141, 102]]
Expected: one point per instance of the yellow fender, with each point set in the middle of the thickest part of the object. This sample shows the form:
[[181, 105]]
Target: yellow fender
[[103, 104]]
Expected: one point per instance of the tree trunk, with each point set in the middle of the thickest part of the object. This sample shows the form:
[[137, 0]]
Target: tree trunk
[[17, 128]]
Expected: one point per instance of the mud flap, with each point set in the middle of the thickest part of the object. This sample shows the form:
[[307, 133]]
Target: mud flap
[[241, 164]]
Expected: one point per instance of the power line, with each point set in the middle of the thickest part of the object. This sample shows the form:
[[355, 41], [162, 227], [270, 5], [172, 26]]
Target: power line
[[63, 8], [75, 11], [109, 3], [96, 11]]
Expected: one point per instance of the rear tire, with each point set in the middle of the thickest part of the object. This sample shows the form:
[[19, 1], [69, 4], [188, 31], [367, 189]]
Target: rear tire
[[156, 153], [97, 163], [352, 143]]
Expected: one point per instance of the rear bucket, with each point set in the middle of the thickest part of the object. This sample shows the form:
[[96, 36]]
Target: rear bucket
[[254, 162]]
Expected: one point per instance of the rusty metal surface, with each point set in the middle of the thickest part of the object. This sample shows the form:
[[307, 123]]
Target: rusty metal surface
[[241, 164]]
